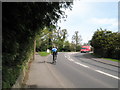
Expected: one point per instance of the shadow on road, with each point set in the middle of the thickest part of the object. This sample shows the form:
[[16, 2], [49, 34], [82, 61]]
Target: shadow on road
[[46, 62], [34, 87], [49, 62], [41, 62], [85, 55], [89, 56], [29, 86]]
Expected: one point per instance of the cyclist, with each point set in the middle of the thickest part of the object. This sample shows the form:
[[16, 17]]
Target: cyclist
[[54, 53]]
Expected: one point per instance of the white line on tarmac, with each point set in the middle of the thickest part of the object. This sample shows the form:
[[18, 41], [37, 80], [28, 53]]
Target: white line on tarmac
[[107, 74], [93, 69], [98, 71], [81, 64], [72, 60]]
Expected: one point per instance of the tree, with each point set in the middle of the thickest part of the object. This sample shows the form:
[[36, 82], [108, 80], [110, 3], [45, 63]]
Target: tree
[[106, 43], [21, 23], [50, 38], [43, 40], [51, 29], [72, 46], [99, 41], [67, 46], [76, 39], [61, 36]]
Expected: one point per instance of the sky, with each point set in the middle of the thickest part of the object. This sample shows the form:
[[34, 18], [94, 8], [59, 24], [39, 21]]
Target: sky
[[87, 16]]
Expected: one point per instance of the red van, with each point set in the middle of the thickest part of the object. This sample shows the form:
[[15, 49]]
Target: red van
[[85, 49]]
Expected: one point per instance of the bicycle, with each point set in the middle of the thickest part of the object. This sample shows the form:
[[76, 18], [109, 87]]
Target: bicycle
[[54, 58]]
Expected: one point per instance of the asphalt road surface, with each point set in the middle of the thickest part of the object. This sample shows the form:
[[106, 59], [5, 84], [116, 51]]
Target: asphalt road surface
[[74, 70]]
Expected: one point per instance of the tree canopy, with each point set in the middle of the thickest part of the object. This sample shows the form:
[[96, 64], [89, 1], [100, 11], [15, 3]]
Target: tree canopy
[[76, 39], [22, 21], [49, 38], [106, 43]]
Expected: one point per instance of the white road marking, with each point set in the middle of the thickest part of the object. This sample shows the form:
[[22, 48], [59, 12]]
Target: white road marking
[[107, 74], [71, 60], [65, 56], [68, 57], [82, 64]]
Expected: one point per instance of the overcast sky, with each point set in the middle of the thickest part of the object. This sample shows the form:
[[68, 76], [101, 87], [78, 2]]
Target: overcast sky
[[89, 15]]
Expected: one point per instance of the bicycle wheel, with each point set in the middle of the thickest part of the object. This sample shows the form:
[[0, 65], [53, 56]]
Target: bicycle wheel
[[54, 59]]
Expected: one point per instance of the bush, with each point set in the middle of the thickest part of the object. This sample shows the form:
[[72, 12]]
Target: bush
[[106, 44], [21, 22]]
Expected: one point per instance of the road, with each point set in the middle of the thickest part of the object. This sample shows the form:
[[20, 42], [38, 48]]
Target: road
[[81, 72], [72, 70]]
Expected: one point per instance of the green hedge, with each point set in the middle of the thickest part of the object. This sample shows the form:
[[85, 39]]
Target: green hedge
[[106, 44], [21, 22]]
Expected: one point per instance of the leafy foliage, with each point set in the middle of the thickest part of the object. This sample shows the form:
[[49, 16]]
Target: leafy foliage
[[22, 21], [50, 36], [106, 43], [76, 39], [67, 46]]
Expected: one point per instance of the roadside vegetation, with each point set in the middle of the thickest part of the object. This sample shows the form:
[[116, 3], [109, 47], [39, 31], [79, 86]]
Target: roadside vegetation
[[99, 56], [20, 29], [115, 60], [106, 44], [28, 22], [58, 37], [43, 53]]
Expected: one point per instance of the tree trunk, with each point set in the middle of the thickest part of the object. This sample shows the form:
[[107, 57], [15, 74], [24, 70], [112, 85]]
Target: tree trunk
[[34, 50]]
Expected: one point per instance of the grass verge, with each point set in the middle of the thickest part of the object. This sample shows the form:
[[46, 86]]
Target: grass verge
[[115, 60], [98, 56], [43, 53]]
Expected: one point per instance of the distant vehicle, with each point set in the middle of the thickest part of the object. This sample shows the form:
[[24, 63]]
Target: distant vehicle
[[85, 49]]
